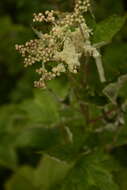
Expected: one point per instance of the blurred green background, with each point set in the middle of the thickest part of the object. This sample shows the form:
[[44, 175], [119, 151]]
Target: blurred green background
[[16, 82]]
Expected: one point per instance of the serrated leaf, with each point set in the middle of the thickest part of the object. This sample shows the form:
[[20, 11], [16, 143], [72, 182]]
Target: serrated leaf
[[106, 29]]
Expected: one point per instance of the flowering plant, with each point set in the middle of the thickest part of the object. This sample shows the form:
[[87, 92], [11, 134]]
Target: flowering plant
[[65, 44], [77, 125]]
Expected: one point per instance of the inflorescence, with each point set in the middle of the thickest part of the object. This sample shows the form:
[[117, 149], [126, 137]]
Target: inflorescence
[[62, 47]]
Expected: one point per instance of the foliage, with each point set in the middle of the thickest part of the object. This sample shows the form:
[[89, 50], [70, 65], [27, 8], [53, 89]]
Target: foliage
[[72, 135]]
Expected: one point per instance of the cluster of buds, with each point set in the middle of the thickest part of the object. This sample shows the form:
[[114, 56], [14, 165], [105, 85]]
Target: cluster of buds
[[37, 50], [45, 76], [61, 45], [82, 6], [47, 17], [76, 17]]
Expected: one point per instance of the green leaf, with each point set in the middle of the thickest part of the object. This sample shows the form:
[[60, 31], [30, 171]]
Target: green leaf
[[73, 130], [106, 29], [8, 157], [121, 177], [59, 88], [114, 60], [22, 180], [88, 173], [101, 178], [51, 171], [43, 109], [39, 138]]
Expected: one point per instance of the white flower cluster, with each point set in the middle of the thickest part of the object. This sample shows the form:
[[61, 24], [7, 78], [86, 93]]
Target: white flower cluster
[[63, 46]]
